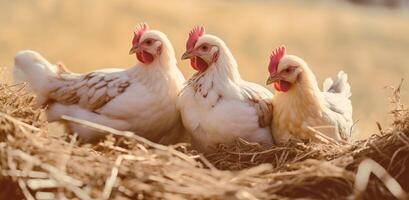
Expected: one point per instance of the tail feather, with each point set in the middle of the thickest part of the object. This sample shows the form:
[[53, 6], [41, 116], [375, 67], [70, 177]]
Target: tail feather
[[327, 84], [339, 85], [31, 67]]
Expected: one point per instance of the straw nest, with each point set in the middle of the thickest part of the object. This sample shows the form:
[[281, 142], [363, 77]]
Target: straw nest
[[37, 165]]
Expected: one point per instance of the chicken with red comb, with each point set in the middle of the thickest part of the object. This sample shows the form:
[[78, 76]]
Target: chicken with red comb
[[141, 98], [196, 62], [217, 105], [301, 109]]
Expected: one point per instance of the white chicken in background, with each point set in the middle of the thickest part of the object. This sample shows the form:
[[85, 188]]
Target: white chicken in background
[[141, 98], [300, 108], [216, 105]]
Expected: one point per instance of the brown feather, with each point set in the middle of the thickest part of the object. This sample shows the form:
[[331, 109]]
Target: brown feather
[[90, 91]]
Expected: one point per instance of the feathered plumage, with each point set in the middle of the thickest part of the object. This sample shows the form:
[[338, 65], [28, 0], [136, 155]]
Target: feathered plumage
[[217, 105], [141, 98], [300, 107]]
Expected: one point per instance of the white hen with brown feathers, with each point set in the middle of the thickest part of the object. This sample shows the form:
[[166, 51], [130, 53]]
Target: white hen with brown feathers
[[217, 105], [141, 98], [301, 109]]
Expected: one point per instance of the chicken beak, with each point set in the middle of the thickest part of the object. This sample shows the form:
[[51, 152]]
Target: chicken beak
[[272, 79], [186, 55], [134, 49]]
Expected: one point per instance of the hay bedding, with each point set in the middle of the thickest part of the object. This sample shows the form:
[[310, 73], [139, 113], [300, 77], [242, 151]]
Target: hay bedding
[[35, 165]]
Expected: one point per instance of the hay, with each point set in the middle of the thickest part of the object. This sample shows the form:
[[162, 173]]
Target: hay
[[36, 165]]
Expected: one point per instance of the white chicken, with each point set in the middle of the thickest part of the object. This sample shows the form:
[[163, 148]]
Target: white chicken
[[301, 110], [141, 98], [216, 105]]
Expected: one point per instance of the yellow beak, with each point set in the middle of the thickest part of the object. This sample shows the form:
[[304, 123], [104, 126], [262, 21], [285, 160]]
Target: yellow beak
[[186, 55], [134, 49], [272, 78]]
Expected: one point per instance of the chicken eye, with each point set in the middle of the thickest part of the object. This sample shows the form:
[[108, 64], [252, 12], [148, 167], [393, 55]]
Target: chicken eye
[[204, 48], [149, 42], [290, 69]]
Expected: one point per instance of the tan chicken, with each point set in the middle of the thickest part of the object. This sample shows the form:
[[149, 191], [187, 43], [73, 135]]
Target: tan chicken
[[217, 105], [141, 98], [301, 110]]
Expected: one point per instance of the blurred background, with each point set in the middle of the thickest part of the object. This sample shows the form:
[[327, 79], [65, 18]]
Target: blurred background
[[369, 39]]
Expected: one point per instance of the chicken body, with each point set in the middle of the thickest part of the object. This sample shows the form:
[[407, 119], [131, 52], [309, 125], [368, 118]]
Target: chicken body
[[301, 108], [141, 98], [217, 106]]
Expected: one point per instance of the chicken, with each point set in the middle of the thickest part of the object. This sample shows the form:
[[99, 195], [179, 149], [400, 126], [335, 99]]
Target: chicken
[[141, 98], [301, 110], [217, 105]]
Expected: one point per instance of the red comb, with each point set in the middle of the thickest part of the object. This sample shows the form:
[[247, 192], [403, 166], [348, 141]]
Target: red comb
[[275, 58], [194, 35], [140, 29]]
